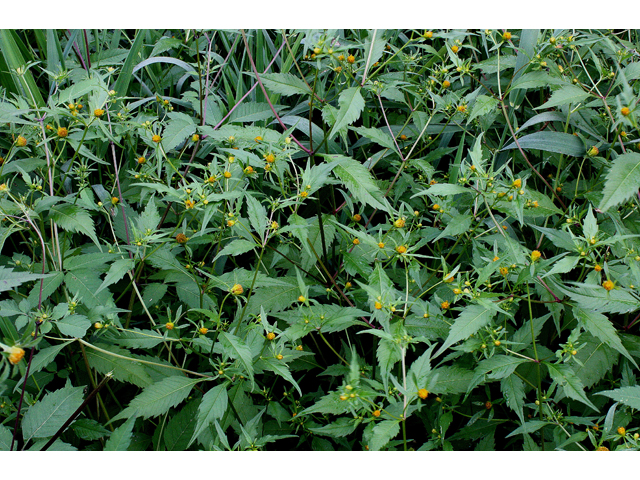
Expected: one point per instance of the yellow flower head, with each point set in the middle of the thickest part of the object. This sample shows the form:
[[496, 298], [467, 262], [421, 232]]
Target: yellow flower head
[[15, 354], [423, 393], [446, 84], [169, 325], [608, 285], [445, 305], [625, 111], [535, 255], [237, 289], [203, 330], [401, 249], [506, 35], [98, 112], [141, 160], [62, 132], [156, 138], [271, 336], [21, 141], [351, 59], [399, 223], [357, 217]]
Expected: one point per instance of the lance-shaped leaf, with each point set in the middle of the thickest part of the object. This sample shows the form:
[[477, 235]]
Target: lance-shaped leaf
[[564, 376], [472, 319], [628, 395], [158, 398], [284, 84], [45, 417], [622, 182], [599, 326], [351, 105], [73, 218], [213, 406]]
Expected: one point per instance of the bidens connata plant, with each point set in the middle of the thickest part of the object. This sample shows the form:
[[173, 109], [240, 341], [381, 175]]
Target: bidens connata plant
[[319, 239]]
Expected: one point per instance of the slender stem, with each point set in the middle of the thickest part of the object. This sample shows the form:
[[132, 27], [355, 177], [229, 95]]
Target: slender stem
[[77, 412], [264, 90]]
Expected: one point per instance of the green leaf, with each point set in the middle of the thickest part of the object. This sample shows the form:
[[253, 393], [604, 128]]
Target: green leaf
[[564, 96], [596, 298], [627, 395], [383, 432], [556, 142], [158, 398], [46, 417], [472, 319], [597, 360], [376, 135], [456, 226], [538, 79], [359, 182], [180, 428], [280, 368], [253, 112], [564, 376], [73, 218], [120, 438], [513, 391], [529, 427], [138, 338], [124, 78], [236, 247], [179, 128], [6, 437], [284, 83], [237, 349], [118, 270], [622, 182], [482, 106], [123, 370], [213, 406], [10, 279], [89, 429], [340, 428], [257, 215], [84, 283], [443, 190], [600, 327], [450, 379], [75, 326], [43, 358], [351, 105]]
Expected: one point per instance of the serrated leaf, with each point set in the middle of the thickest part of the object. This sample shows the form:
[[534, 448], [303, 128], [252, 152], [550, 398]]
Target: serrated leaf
[[449, 379], [600, 327], [596, 298], [116, 272], [257, 215], [253, 112], [456, 226], [43, 358], [564, 96], [570, 383], [89, 429], [383, 433], [123, 370], [627, 395], [179, 128], [10, 279], [597, 360], [75, 219], [213, 406], [622, 182], [472, 319], [359, 182], [279, 368], [376, 135], [120, 438], [46, 417], [351, 105], [284, 83], [557, 142], [482, 106], [237, 349], [236, 247], [513, 391], [535, 80], [443, 190], [529, 427], [84, 283], [75, 326], [158, 398], [180, 428], [340, 428]]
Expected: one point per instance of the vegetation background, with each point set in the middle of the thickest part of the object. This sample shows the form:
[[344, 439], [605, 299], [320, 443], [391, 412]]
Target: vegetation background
[[345, 233]]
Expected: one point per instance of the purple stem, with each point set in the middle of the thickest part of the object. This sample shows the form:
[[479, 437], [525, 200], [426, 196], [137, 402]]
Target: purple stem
[[77, 50], [86, 46], [549, 290], [255, 71], [250, 90]]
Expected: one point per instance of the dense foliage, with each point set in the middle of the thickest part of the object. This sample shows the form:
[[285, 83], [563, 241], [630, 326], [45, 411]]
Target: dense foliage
[[328, 240]]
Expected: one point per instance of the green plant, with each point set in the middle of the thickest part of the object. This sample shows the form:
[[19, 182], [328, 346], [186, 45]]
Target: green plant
[[319, 239]]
